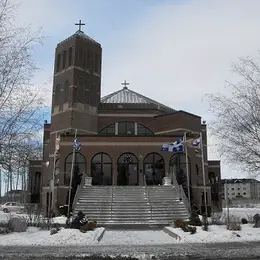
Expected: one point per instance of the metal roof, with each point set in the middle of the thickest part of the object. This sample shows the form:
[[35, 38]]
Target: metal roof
[[127, 96], [80, 34]]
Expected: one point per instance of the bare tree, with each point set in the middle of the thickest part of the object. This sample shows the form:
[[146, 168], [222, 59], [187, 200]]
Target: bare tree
[[21, 102], [237, 124]]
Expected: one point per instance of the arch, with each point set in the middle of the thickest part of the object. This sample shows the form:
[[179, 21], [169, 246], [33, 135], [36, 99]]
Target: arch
[[143, 130], [66, 91], [101, 169], [79, 164], [154, 169], [127, 169], [108, 130], [177, 167], [126, 128]]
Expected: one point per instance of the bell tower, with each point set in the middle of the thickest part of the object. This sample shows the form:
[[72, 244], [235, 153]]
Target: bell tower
[[76, 84]]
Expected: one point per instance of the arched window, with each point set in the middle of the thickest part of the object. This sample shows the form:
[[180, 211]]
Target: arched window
[[66, 91], [81, 90], [64, 59], [58, 58], [127, 169], [143, 130], [57, 93], [154, 169], [126, 128], [108, 130], [79, 163], [101, 169], [177, 167], [70, 56]]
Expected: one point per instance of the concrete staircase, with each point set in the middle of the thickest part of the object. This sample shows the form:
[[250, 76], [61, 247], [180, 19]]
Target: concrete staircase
[[131, 204]]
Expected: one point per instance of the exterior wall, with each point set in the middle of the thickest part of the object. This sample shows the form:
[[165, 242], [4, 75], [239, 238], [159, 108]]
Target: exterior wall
[[162, 124]]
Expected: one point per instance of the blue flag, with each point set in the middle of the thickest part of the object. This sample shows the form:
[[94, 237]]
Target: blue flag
[[174, 147], [76, 144]]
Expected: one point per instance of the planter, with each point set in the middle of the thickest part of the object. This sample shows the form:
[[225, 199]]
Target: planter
[[88, 181], [166, 181]]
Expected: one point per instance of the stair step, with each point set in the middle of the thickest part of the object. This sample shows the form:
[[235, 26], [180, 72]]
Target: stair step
[[132, 204]]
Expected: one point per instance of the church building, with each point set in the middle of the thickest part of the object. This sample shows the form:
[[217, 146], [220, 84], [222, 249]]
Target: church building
[[124, 127]]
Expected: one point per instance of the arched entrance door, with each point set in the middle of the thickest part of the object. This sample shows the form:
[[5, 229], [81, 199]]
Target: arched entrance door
[[178, 171], [101, 169], [127, 170], [154, 169]]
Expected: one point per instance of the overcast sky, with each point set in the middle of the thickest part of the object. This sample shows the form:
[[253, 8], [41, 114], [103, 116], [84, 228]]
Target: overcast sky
[[183, 48]]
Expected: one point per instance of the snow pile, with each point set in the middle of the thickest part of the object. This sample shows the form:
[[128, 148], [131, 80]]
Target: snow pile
[[36, 237], [136, 237], [60, 220]]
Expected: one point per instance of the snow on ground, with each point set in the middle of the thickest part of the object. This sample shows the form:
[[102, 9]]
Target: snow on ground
[[218, 234], [135, 237], [4, 217], [64, 237]]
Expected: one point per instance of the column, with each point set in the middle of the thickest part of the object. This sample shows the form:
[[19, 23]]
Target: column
[[141, 170]]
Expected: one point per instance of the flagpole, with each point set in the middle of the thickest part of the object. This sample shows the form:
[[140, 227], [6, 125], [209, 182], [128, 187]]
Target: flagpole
[[71, 174], [203, 172], [187, 166], [53, 178]]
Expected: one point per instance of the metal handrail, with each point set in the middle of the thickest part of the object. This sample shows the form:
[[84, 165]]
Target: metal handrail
[[78, 193], [112, 199], [181, 193], [149, 201]]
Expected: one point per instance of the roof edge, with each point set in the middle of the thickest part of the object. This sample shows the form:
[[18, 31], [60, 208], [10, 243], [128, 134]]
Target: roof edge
[[179, 111]]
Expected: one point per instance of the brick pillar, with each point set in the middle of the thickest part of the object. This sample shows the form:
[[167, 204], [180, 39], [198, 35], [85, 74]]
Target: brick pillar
[[114, 171], [88, 173], [141, 170]]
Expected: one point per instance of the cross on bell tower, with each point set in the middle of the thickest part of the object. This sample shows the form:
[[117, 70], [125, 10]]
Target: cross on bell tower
[[80, 24]]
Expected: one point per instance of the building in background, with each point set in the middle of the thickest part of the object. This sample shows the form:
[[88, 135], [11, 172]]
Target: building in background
[[240, 190]]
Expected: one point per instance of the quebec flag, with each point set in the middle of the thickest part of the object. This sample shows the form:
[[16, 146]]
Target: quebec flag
[[76, 144], [174, 147]]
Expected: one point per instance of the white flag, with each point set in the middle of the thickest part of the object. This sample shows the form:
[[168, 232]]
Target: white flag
[[192, 143], [57, 143]]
